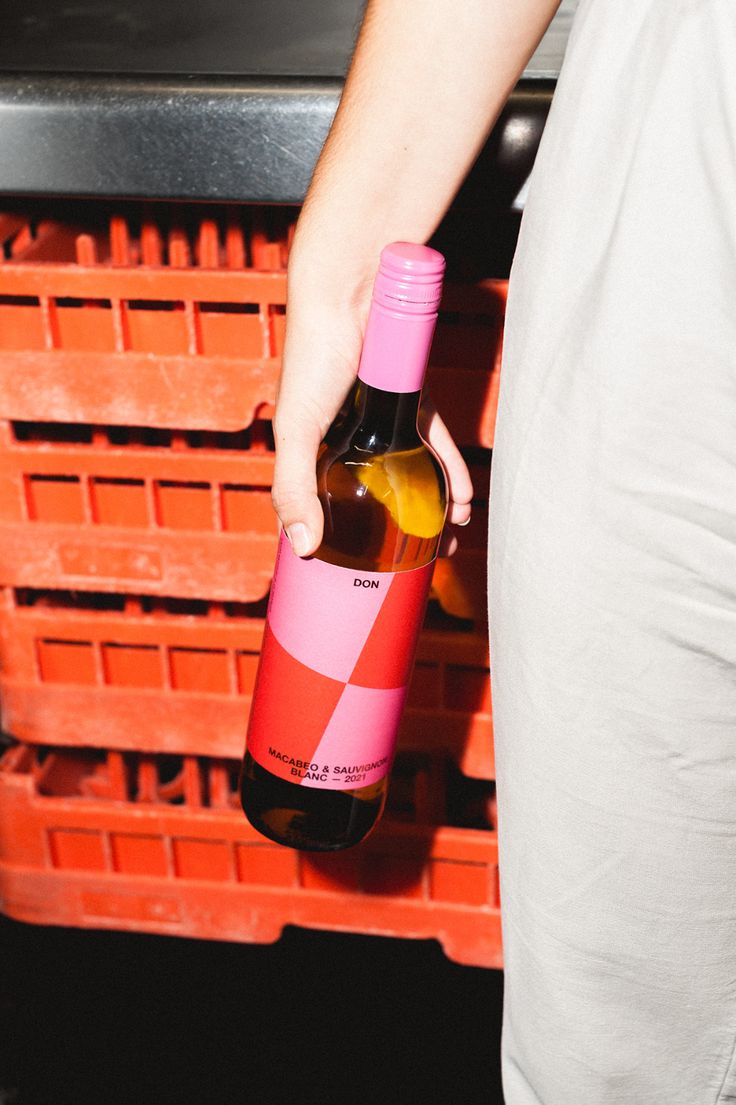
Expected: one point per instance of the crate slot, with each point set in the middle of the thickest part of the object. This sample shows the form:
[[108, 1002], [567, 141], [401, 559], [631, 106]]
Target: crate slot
[[19, 301], [186, 505], [119, 502], [68, 301], [144, 604], [150, 436], [139, 854], [155, 305], [246, 508], [255, 439], [243, 610], [77, 850], [62, 661], [262, 866], [83, 325], [67, 600], [229, 308], [22, 324], [210, 860], [68, 773], [180, 607], [55, 499], [52, 433], [246, 666], [132, 665], [195, 669]]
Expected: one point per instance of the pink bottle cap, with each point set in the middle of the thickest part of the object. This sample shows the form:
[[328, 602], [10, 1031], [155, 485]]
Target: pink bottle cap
[[409, 278], [406, 298]]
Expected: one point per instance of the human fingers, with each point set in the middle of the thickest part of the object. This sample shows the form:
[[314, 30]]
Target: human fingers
[[294, 490], [319, 366], [460, 485]]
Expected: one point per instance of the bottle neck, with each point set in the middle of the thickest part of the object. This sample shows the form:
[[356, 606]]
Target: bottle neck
[[396, 349], [385, 421]]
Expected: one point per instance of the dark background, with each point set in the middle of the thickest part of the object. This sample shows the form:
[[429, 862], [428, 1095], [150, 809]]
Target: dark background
[[97, 1018]]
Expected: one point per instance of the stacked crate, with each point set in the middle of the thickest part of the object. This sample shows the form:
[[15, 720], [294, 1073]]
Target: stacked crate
[[139, 358]]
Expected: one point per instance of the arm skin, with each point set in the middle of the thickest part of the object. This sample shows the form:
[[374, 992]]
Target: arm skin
[[427, 82]]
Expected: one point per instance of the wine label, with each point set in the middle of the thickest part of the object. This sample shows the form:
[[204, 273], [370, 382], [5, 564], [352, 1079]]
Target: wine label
[[336, 659]]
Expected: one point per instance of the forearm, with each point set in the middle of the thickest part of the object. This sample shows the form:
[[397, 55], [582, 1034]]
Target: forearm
[[426, 84], [427, 81]]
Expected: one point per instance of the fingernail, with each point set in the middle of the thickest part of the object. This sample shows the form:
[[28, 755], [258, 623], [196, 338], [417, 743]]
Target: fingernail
[[467, 521], [300, 538]]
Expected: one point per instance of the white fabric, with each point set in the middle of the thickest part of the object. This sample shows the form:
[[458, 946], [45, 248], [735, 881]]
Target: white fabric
[[613, 574]]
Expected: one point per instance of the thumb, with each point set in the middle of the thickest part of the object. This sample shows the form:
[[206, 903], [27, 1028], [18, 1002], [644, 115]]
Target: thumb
[[294, 491]]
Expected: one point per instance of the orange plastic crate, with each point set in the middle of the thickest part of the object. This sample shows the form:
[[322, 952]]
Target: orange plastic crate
[[158, 511], [152, 510], [138, 371], [148, 844], [183, 327], [175, 676], [143, 326], [465, 363]]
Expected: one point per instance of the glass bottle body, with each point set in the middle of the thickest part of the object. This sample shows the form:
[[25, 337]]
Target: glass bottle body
[[384, 497]]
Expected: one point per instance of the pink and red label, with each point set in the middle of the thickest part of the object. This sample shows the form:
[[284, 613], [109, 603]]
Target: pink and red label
[[335, 664]]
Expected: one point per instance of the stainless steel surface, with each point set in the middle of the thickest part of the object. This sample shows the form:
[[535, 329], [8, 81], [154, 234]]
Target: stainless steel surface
[[189, 139], [167, 138], [223, 100]]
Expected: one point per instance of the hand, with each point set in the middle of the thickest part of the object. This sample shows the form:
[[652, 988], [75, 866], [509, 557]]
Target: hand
[[320, 363]]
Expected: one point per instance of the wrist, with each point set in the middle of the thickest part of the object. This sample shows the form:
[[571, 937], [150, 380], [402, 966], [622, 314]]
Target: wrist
[[329, 280]]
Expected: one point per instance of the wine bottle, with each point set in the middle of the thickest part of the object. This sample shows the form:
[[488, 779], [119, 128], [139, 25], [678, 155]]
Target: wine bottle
[[342, 625]]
